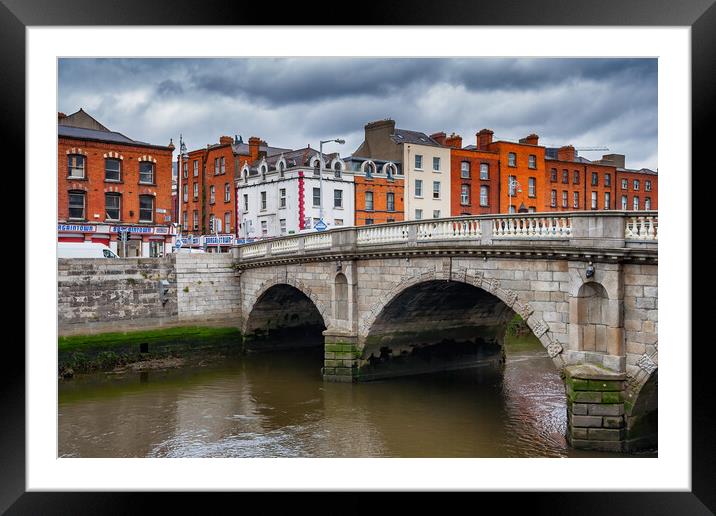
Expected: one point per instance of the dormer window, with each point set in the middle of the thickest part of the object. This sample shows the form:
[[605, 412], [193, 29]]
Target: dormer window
[[337, 168]]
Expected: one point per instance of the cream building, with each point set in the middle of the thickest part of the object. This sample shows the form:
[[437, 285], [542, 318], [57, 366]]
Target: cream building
[[426, 165]]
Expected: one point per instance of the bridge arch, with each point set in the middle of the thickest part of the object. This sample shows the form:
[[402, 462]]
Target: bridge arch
[[509, 297], [283, 305]]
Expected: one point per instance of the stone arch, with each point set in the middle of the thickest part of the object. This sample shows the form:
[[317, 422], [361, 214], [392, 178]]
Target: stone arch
[[476, 279], [297, 284]]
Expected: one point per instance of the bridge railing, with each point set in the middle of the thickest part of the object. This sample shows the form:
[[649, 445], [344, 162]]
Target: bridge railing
[[592, 229]]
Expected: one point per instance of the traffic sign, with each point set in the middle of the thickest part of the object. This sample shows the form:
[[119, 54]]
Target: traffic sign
[[320, 225]]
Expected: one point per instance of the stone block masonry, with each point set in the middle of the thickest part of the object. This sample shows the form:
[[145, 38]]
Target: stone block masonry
[[100, 295], [595, 408]]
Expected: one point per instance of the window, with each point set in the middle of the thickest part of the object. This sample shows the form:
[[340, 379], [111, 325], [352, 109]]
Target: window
[[369, 201], [532, 161], [282, 226], [196, 168], [625, 203], [512, 159], [223, 165], [484, 195], [647, 186], [76, 166], [185, 172], [625, 184], [465, 169], [281, 168], [185, 225], [436, 163], [511, 182], [337, 169], [196, 220], [316, 196], [636, 185], [636, 203], [146, 208], [196, 191], [594, 200], [553, 175], [553, 201], [607, 180], [227, 222], [112, 206], [111, 169], [647, 203], [263, 200], [465, 195], [390, 201], [227, 192], [216, 166], [607, 200], [436, 189], [564, 198], [418, 188], [512, 208], [246, 202], [575, 199], [146, 172], [282, 198], [77, 205], [418, 214], [212, 194], [186, 192], [532, 187], [338, 222], [368, 222], [338, 198], [575, 179], [418, 162], [595, 179], [369, 170], [565, 176], [264, 228], [436, 214], [484, 171]]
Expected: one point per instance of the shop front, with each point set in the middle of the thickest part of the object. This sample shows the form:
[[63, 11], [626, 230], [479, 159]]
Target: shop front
[[130, 241]]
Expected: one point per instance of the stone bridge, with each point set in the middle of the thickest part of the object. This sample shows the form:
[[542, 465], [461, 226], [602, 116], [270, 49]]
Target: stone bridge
[[414, 297]]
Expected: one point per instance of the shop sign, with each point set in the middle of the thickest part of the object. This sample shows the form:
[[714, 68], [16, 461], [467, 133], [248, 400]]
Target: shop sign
[[76, 228]]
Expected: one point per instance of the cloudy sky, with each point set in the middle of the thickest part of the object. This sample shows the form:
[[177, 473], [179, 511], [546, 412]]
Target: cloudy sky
[[299, 101]]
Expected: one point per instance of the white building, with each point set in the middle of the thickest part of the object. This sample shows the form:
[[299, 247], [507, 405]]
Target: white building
[[281, 194]]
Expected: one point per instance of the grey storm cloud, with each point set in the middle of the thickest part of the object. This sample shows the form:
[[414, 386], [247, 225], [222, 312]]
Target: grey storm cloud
[[292, 102]]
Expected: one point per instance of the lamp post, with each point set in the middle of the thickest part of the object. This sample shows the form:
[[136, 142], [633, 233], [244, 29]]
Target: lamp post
[[320, 173], [180, 174], [512, 183]]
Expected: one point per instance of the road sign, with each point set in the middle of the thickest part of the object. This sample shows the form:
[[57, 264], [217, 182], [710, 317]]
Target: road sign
[[179, 243], [320, 225]]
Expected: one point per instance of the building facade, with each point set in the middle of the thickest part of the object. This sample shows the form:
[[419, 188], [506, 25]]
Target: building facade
[[379, 190], [282, 194], [112, 189]]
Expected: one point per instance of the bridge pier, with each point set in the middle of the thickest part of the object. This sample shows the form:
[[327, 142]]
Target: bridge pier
[[595, 408], [341, 356]]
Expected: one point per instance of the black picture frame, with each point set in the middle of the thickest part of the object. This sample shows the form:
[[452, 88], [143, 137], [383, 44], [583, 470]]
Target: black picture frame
[[700, 15]]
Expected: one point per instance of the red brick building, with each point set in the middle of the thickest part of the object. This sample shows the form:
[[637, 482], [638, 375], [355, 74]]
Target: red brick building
[[379, 191], [109, 184], [208, 184], [474, 178]]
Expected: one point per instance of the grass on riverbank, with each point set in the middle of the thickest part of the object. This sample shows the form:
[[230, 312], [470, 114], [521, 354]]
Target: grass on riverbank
[[110, 340]]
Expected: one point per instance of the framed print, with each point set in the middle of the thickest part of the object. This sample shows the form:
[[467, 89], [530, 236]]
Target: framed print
[[425, 192]]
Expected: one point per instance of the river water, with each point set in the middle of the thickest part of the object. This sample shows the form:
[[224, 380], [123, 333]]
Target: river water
[[276, 405]]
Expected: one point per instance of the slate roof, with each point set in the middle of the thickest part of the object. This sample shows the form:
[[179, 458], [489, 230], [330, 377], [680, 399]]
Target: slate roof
[[406, 136], [103, 136]]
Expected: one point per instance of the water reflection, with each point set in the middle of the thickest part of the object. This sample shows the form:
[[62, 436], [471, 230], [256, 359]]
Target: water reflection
[[276, 405]]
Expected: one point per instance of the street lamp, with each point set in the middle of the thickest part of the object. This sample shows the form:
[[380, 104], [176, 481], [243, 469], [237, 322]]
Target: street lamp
[[512, 184], [320, 173]]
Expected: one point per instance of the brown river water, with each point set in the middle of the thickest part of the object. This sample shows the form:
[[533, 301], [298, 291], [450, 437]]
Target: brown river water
[[277, 405]]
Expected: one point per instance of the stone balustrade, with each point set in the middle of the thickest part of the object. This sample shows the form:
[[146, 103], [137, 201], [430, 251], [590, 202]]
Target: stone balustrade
[[592, 229], [642, 227]]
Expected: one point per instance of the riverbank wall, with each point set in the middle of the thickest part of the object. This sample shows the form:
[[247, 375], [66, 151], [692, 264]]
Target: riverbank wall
[[130, 294]]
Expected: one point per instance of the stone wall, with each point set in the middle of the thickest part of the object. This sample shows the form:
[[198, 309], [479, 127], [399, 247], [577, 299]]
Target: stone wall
[[100, 295]]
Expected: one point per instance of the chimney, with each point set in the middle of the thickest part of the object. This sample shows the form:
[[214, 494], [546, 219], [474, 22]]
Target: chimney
[[254, 144], [617, 160], [565, 153], [223, 140], [532, 139], [61, 115], [454, 141], [484, 139], [438, 137]]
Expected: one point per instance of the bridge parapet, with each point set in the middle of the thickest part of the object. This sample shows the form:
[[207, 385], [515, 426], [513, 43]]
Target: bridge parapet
[[603, 230]]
